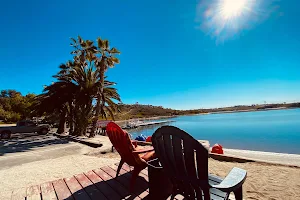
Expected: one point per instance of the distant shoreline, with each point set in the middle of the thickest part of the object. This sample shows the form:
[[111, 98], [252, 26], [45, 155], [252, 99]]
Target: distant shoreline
[[217, 112], [251, 110]]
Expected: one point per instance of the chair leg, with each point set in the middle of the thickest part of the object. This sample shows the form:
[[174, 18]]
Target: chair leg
[[119, 167], [238, 193], [134, 176]]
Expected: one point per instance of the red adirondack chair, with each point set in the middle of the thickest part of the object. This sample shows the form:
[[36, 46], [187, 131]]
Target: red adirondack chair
[[132, 154]]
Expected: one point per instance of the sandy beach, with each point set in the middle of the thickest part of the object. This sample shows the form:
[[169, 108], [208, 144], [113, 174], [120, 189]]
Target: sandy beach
[[264, 181]]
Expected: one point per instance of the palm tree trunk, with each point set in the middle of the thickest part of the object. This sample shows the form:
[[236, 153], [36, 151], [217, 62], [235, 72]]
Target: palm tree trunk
[[71, 118], [62, 122], [96, 117], [100, 102]]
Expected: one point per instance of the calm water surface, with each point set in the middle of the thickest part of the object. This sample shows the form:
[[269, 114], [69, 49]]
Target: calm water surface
[[274, 131]]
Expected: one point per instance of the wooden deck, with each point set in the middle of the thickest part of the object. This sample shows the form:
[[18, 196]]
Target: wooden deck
[[96, 184], [99, 184]]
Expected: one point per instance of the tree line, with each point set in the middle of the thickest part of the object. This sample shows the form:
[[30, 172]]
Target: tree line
[[14, 106]]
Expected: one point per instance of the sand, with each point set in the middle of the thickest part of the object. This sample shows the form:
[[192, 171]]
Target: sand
[[264, 181]]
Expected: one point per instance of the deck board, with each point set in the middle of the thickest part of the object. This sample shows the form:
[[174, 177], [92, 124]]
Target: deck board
[[62, 190], [122, 179], [141, 185], [141, 175], [139, 181], [98, 184], [113, 183], [90, 188], [76, 189], [47, 191], [34, 193], [102, 186]]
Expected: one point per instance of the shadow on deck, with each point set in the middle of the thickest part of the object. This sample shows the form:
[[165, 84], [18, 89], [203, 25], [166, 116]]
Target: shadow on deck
[[95, 184]]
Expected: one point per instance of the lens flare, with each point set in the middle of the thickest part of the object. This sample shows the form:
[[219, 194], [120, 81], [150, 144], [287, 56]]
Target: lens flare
[[225, 19]]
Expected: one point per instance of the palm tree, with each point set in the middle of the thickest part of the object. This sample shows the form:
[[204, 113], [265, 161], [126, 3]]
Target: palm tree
[[73, 94], [100, 56]]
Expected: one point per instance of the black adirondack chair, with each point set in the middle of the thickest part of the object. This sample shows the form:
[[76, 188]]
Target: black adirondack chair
[[185, 162]]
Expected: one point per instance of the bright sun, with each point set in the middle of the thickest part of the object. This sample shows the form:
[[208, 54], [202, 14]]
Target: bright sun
[[232, 8], [224, 19]]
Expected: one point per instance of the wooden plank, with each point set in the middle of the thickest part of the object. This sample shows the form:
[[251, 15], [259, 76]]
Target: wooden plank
[[141, 174], [33, 193], [140, 183], [76, 189], [62, 191], [121, 179], [19, 194], [102, 186], [47, 191], [126, 167], [140, 187], [113, 183], [145, 171], [128, 170], [89, 187], [144, 195]]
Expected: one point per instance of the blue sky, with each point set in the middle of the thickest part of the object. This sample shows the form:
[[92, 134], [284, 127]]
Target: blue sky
[[173, 53]]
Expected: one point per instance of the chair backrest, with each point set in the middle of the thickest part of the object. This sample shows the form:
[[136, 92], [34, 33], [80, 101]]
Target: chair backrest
[[122, 143], [184, 160]]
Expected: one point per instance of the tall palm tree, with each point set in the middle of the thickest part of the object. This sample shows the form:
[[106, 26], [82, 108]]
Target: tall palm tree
[[73, 94], [102, 57]]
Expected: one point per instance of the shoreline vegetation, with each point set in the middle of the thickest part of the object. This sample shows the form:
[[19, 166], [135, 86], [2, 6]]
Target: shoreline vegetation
[[149, 112], [123, 121]]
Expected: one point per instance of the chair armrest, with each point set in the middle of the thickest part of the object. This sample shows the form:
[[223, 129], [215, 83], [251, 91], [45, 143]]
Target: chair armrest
[[232, 181], [154, 163], [143, 150]]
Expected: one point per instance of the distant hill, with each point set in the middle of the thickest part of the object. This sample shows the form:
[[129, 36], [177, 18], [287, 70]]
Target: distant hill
[[142, 111], [145, 111]]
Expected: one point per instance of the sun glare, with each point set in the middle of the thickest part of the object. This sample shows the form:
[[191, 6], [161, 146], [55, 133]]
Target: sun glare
[[226, 19], [232, 8]]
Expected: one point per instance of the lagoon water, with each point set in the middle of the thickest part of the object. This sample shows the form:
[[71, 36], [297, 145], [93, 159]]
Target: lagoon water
[[273, 131]]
